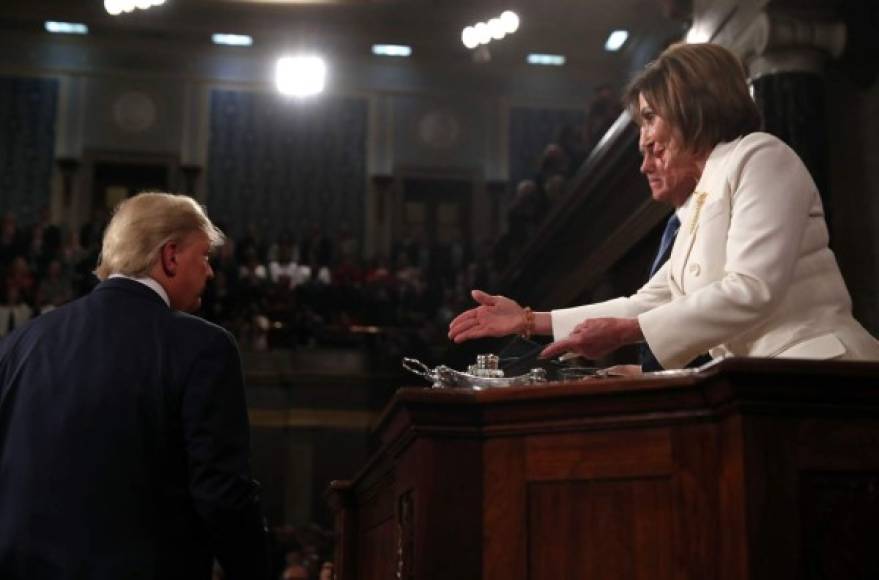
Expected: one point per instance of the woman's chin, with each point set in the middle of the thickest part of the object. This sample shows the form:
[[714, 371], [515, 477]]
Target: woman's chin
[[660, 195]]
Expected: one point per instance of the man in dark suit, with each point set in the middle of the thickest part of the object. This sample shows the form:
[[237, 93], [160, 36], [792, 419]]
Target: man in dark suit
[[124, 439]]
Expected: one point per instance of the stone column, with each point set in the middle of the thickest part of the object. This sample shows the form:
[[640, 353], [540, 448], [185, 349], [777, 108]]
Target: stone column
[[786, 57]]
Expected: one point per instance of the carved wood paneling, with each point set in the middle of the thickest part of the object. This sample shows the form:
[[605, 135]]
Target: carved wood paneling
[[602, 454], [603, 523], [840, 525]]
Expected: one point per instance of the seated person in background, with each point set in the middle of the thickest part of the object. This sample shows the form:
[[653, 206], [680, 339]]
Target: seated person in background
[[283, 270], [55, 288], [14, 312], [750, 273]]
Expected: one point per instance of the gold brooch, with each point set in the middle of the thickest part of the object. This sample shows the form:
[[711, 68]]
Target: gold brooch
[[697, 208]]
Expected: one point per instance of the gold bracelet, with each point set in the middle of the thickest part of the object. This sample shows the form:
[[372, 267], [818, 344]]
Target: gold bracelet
[[527, 323]]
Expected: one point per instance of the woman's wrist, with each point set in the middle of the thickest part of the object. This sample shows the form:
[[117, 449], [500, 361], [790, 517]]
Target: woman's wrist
[[633, 331], [526, 326]]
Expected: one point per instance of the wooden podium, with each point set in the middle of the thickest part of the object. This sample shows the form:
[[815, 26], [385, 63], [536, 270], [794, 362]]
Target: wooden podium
[[751, 469]]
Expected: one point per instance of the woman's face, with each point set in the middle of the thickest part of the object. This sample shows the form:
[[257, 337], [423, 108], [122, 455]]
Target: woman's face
[[671, 171]]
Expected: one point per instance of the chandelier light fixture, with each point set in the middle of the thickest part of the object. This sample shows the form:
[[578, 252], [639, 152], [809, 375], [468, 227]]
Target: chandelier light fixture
[[117, 7], [494, 29]]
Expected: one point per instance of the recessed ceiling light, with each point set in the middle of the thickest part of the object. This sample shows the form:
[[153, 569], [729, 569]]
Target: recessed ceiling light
[[232, 39], [616, 40], [391, 50], [546, 59], [66, 27]]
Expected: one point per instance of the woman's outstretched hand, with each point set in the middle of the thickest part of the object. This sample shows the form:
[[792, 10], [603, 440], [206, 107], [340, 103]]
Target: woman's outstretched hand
[[595, 337], [495, 316]]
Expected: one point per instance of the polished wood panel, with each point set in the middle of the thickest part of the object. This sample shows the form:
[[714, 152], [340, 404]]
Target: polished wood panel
[[592, 529], [747, 470]]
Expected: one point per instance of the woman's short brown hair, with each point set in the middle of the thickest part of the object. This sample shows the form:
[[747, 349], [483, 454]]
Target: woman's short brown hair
[[142, 224], [700, 90]]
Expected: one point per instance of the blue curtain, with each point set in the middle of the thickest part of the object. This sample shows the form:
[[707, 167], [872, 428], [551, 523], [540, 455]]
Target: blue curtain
[[280, 164], [27, 144], [531, 130]]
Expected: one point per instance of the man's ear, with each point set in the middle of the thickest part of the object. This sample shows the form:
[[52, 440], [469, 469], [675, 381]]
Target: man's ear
[[168, 258]]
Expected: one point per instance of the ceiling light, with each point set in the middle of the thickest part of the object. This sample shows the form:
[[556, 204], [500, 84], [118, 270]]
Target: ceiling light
[[113, 7], [616, 40], [469, 38], [391, 50], [496, 28], [482, 33], [510, 20], [66, 27], [546, 59], [232, 39], [300, 76], [117, 7]]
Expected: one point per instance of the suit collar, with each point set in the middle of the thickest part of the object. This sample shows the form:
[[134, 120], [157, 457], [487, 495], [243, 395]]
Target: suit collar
[[149, 283], [132, 286]]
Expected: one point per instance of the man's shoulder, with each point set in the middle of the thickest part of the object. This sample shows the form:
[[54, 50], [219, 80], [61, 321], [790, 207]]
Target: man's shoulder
[[192, 324]]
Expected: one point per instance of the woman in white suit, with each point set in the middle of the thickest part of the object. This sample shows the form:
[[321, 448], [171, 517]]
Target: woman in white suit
[[750, 272]]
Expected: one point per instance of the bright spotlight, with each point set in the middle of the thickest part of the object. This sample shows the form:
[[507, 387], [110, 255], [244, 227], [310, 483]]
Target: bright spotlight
[[510, 20], [469, 37], [496, 28], [300, 76], [143, 4], [127, 5]]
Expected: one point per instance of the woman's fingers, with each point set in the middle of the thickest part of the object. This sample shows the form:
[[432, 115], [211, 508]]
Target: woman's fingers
[[557, 348], [463, 317], [483, 298], [461, 324]]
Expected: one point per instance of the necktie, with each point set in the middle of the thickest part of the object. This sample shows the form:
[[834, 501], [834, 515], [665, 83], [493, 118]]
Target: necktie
[[668, 238]]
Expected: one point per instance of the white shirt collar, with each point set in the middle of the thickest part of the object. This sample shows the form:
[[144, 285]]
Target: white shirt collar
[[150, 283]]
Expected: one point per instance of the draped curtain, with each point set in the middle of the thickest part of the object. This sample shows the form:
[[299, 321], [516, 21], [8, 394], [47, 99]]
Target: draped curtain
[[278, 164], [27, 144]]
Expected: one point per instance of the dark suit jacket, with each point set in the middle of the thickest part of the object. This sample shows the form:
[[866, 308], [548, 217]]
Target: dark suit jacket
[[124, 445]]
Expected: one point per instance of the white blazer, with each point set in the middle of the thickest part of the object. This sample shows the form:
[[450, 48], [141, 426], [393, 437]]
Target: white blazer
[[750, 273]]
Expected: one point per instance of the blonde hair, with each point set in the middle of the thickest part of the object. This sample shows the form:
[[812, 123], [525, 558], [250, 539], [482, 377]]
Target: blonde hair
[[142, 224], [699, 89]]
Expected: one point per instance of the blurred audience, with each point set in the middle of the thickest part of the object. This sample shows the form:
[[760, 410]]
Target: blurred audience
[[317, 289], [534, 197]]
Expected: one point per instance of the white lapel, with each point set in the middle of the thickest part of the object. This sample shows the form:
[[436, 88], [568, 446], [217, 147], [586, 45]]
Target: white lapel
[[709, 189]]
